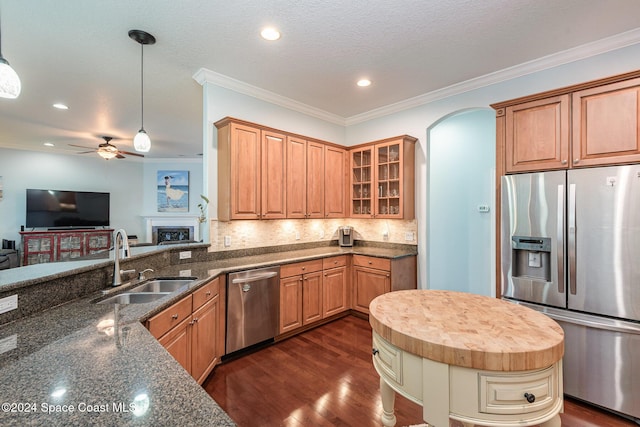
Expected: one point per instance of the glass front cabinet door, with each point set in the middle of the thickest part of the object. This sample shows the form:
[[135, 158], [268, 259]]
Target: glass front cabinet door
[[383, 179]]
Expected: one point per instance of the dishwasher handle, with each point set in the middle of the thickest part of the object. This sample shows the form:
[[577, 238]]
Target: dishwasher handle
[[255, 278]]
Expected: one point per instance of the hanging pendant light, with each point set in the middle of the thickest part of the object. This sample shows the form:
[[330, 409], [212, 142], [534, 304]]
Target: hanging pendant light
[[141, 142], [9, 81]]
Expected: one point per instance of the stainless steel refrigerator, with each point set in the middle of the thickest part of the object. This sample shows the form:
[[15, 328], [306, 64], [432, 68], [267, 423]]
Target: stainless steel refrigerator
[[570, 248]]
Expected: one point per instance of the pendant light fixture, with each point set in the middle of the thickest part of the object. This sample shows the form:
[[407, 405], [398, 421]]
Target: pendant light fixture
[[9, 81], [141, 142]]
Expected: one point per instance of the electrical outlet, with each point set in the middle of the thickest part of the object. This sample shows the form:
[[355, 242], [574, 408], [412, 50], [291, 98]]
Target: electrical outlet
[[8, 343], [385, 235], [8, 303], [185, 273], [297, 235], [227, 241], [322, 234], [185, 254], [409, 236]]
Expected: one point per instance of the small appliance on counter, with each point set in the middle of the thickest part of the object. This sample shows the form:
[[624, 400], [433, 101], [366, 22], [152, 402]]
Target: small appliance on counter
[[345, 236]]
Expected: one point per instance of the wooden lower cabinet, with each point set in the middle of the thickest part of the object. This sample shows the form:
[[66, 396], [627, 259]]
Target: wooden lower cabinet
[[178, 343], [311, 291], [204, 339], [374, 276], [335, 293], [192, 330]]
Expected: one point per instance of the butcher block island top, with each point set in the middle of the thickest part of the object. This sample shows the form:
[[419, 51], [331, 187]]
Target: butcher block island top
[[467, 330]]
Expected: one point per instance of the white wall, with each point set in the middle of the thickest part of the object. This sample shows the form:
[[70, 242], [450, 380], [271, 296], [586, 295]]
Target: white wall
[[459, 237], [131, 183], [219, 102]]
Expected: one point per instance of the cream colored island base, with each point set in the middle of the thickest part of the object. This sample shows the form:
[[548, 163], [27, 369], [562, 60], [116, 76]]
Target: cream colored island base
[[471, 396]]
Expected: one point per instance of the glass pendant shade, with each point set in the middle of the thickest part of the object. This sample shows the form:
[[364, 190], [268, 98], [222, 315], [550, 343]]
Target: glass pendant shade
[[10, 86], [142, 142]]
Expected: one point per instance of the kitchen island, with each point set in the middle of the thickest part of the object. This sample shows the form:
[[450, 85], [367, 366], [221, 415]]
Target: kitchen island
[[81, 363], [479, 360]]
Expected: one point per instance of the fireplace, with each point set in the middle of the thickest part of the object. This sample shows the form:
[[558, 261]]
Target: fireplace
[[171, 234], [171, 229]]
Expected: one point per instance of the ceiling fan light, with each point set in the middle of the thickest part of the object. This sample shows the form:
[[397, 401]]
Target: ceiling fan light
[[108, 152], [10, 86], [142, 142]]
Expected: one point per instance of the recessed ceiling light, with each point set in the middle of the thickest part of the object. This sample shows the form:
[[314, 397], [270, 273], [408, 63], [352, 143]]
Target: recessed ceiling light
[[49, 144], [60, 106], [270, 34], [364, 82]]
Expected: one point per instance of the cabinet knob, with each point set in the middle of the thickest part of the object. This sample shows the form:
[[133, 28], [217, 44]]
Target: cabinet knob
[[208, 293], [575, 161], [335, 262], [370, 262], [175, 316], [564, 162], [530, 397], [304, 268], [195, 320]]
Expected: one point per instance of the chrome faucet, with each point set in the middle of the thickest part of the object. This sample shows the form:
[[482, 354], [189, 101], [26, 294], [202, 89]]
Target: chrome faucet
[[120, 243], [141, 274]]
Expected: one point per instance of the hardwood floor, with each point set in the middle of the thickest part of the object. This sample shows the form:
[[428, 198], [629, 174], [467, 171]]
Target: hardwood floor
[[324, 377]]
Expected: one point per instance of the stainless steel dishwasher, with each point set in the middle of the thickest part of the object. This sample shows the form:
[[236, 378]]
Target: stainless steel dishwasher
[[253, 299]]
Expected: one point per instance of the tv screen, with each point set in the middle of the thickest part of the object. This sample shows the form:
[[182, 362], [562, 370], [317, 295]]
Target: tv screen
[[54, 208]]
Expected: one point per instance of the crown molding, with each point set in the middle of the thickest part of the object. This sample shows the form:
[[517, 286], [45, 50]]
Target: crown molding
[[204, 75], [617, 41]]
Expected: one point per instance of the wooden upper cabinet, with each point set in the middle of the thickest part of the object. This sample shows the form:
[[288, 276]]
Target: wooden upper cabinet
[[274, 175], [296, 178], [335, 182], [315, 180], [305, 178], [383, 179], [605, 124], [537, 135], [251, 172]]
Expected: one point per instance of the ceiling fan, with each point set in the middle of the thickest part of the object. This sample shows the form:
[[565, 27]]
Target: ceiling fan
[[107, 151]]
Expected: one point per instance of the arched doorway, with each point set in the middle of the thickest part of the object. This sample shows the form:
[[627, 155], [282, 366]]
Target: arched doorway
[[460, 202]]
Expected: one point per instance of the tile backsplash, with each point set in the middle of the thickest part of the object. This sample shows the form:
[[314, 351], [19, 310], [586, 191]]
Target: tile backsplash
[[259, 233]]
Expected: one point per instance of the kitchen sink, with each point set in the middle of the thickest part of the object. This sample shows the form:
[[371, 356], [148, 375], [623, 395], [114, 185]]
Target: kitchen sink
[[163, 285], [134, 298]]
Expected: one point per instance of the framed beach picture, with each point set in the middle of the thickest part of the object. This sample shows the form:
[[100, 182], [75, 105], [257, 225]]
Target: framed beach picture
[[173, 191]]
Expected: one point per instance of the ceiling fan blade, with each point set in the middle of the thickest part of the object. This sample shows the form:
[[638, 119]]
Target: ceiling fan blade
[[86, 152], [119, 156], [130, 153], [81, 146]]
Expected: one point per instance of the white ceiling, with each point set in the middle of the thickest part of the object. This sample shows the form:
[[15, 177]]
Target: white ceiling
[[78, 52]]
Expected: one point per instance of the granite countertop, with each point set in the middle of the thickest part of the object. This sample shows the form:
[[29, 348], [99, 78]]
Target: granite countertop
[[467, 330], [66, 366]]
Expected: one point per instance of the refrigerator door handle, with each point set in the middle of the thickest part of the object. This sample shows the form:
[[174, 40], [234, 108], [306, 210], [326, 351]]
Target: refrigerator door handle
[[571, 246], [560, 239]]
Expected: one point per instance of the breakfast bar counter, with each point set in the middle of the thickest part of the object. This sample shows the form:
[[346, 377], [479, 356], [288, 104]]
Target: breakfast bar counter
[[475, 359]]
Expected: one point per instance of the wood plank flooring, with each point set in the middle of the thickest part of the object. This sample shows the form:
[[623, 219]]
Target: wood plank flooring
[[324, 377]]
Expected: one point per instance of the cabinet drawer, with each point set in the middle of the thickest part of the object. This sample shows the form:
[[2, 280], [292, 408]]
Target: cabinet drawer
[[299, 268], [162, 322], [388, 359], [505, 394], [372, 262], [206, 293], [335, 261]]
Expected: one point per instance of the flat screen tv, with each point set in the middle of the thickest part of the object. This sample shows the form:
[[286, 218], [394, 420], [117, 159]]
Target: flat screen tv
[[66, 209]]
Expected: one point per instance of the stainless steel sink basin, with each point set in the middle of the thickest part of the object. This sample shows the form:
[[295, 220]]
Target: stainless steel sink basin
[[134, 298], [163, 285]]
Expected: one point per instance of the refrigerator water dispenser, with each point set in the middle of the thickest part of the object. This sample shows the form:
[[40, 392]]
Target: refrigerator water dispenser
[[532, 257]]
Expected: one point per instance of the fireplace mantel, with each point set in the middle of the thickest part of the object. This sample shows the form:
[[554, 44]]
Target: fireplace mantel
[[152, 222]]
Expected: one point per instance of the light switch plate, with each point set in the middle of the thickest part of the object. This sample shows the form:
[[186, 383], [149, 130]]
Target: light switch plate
[[227, 241]]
